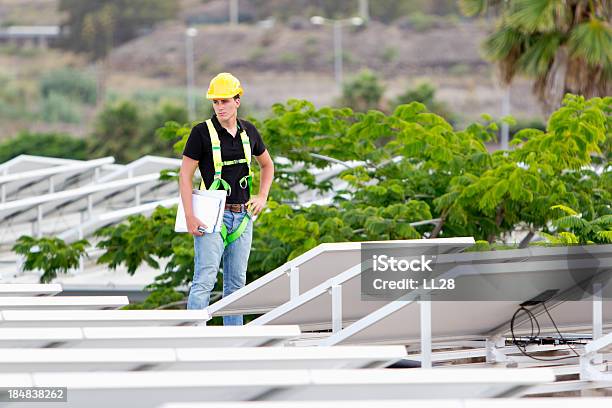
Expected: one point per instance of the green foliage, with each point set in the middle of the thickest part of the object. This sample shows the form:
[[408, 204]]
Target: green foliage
[[546, 168], [116, 132], [128, 131], [51, 255], [158, 299], [421, 22], [564, 46], [572, 228], [389, 54], [425, 93], [403, 167], [521, 124], [14, 99], [70, 83], [57, 107], [94, 27], [362, 92], [140, 239], [43, 144]]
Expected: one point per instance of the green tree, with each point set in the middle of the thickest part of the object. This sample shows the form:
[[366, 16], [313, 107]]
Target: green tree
[[117, 132], [425, 93], [408, 174], [51, 255], [573, 228], [519, 187], [362, 92], [94, 27], [128, 131], [564, 45]]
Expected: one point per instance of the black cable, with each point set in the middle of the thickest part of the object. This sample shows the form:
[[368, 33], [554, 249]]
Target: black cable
[[531, 337], [558, 332]]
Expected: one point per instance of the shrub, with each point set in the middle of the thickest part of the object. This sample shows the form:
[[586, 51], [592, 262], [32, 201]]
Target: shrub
[[14, 99], [57, 107], [70, 83], [44, 144], [117, 131], [425, 93], [362, 92]]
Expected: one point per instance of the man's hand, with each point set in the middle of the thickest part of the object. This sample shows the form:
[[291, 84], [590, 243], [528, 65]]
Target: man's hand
[[192, 225], [256, 204]]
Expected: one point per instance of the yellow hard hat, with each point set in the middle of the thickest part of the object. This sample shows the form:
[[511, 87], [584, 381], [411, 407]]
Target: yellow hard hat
[[224, 86]]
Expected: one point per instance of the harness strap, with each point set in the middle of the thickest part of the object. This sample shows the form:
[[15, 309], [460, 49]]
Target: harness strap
[[244, 182], [234, 235]]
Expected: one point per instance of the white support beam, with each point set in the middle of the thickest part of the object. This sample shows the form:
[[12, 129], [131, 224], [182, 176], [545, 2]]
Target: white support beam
[[294, 282], [425, 315], [336, 294]]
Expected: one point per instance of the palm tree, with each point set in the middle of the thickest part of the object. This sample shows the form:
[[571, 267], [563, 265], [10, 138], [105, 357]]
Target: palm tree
[[565, 45]]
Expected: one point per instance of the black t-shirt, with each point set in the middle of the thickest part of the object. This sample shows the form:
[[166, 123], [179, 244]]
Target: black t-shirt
[[199, 148]]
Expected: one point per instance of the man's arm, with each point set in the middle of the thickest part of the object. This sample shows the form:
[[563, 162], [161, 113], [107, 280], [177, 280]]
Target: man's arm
[[188, 168], [258, 202]]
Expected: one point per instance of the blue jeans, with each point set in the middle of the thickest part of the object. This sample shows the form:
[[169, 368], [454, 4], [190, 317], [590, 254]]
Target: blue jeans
[[209, 253]]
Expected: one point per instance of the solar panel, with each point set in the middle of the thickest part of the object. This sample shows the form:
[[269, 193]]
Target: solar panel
[[146, 389], [466, 403], [304, 273], [29, 289], [399, 321], [137, 337], [62, 302], [24, 210], [100, 220], [79, 318], [49, 179], [242, 358]]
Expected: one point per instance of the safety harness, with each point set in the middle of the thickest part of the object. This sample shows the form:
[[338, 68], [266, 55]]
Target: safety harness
[[244, 182]]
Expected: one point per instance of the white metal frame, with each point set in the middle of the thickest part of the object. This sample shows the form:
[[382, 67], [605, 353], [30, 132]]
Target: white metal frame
[[292, 270]]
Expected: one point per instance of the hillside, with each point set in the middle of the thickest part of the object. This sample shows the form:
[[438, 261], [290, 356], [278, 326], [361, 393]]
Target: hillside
[[275, 63], [283, 62]]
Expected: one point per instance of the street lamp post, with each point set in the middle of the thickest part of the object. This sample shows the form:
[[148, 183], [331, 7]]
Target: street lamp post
[[338, 53], [337, 28], [233, 12], [190, 33]]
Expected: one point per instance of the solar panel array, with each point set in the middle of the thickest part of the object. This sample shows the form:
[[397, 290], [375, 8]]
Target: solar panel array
[[71, 199], [151, 358]]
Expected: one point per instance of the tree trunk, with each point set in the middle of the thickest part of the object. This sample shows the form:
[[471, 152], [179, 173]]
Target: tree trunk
[[554, 86], [438, 227], [525, 241], [499, 217]]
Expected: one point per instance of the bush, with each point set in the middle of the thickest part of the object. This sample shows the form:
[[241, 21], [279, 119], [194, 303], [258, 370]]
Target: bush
[[127, 131], [14, 98], [362, 92], [157, 299], [425, 93], [421, 22], [59, 108], [44, 144], [70, 83], [117, 131], [526, 124], [165, 112]]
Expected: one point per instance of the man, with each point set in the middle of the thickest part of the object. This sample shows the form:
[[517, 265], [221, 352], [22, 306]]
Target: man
[[222, 147]]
